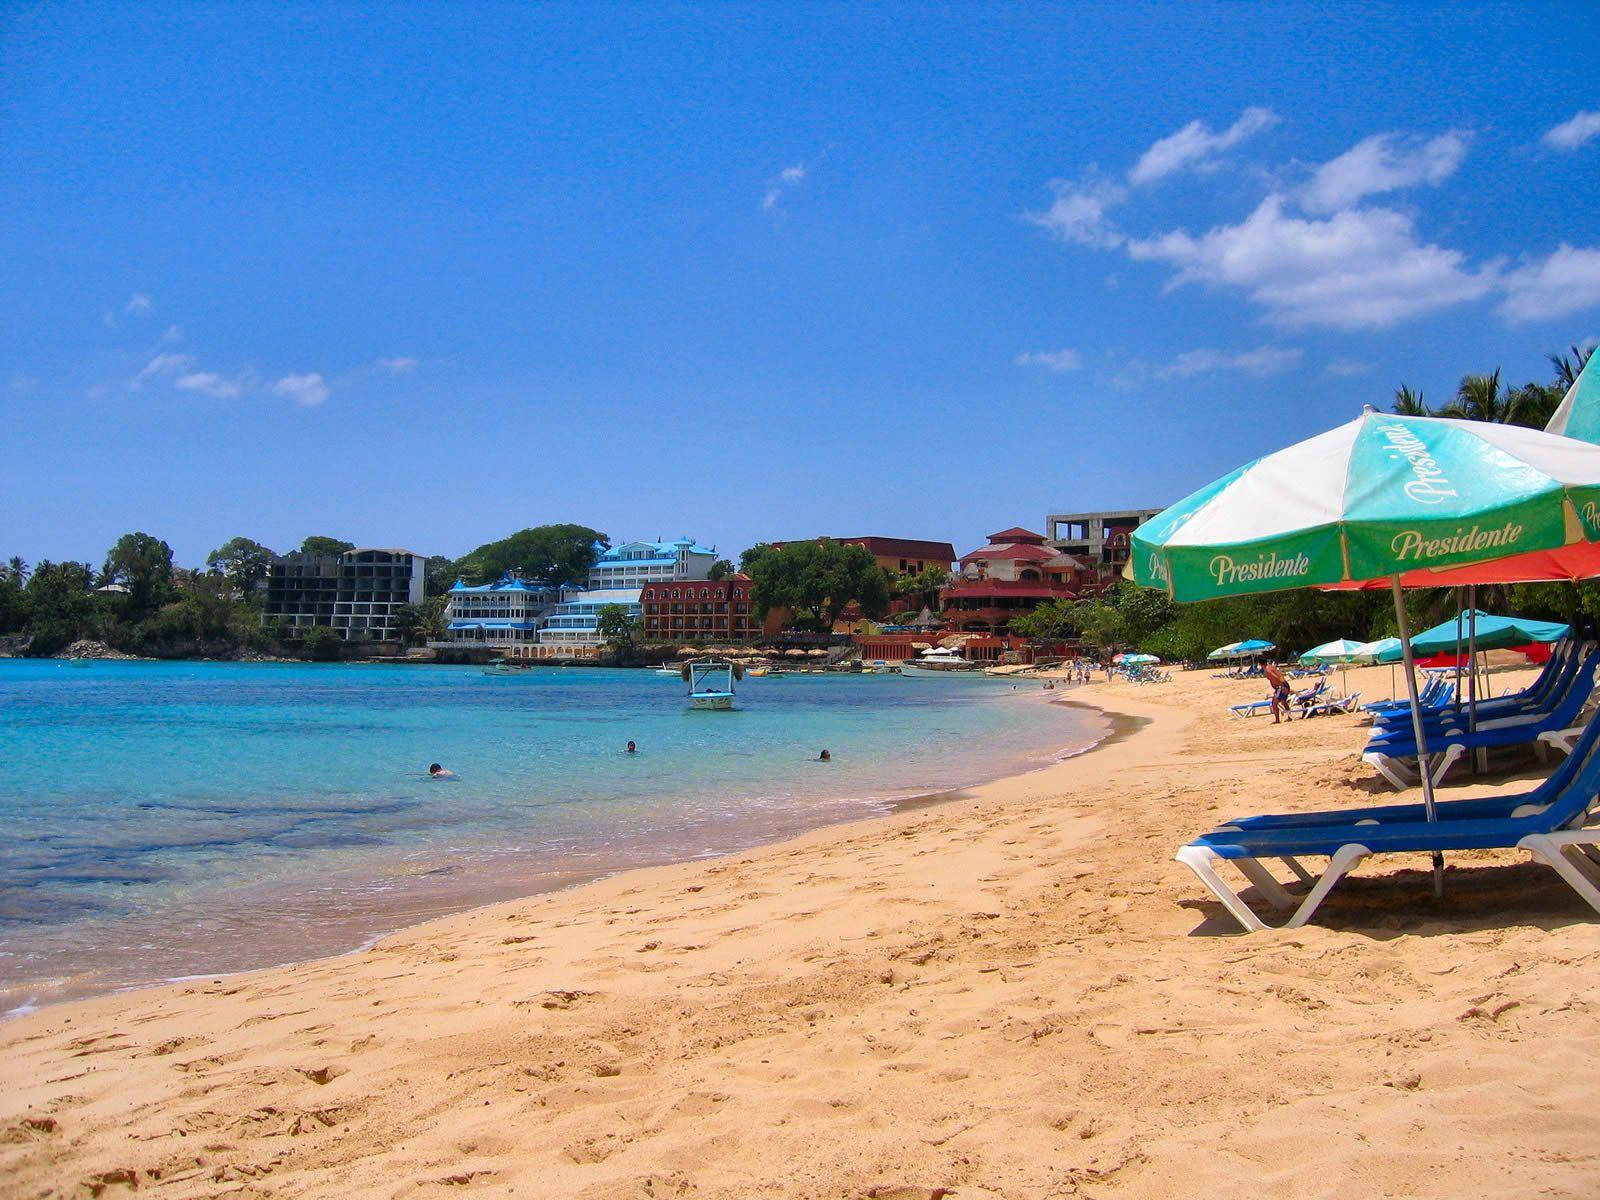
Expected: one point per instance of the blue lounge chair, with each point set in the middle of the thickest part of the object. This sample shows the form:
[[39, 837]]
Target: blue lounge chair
[[1560, 674], [1393, 756], [1551, 822]]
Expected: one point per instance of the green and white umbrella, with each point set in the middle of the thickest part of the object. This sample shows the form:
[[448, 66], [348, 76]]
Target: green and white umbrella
[[1341, 651], [1379, 496], [1375, 498]]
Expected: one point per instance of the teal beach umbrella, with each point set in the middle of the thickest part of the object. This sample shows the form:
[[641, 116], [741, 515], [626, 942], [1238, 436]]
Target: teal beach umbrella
[[1493, 633]]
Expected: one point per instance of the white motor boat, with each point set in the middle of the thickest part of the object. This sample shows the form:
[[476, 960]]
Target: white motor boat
[[938, 661]]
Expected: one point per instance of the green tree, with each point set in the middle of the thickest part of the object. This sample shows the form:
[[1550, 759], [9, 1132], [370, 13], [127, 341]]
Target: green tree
[[438, 573], [1052, 620], [418, 623], [15, 570], [720, 569], [818, 578], [142, 564], [241, 561], [59, 604], [748, 558], [550, 554], [1410, 404], [1569, 368], [321, 644], [617, 627], [924, 586], [317, 545]]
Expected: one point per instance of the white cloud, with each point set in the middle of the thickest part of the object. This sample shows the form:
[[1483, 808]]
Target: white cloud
[[1051, 360], [1344, 368], [1260, 362], [172, 334], [1564, 282], [396, 366], [1364, 268], [786, 179], [208, 383], [1078, 213], [309, 390], [1195, 145], [1384, 162], [1578, 130], [161, 364], [137, 303]]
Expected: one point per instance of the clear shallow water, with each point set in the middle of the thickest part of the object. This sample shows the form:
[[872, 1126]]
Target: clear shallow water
[[166, 819]]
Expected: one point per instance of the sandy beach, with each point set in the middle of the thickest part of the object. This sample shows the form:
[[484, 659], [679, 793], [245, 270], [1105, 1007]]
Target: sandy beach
[[1016, 993]]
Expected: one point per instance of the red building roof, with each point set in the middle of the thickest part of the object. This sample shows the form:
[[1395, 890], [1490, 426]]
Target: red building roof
[[1016, 534], [1012, 552]]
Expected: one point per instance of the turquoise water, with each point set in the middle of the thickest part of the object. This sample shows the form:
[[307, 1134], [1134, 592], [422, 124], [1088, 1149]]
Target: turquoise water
[[169, 819]]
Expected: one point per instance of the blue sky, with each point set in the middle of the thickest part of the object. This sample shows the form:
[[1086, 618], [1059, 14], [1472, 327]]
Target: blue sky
[[418, 277]]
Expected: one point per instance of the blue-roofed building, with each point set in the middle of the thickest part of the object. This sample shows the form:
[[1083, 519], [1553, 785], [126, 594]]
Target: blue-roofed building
[[634, 564], [618, 576], [504, 615]]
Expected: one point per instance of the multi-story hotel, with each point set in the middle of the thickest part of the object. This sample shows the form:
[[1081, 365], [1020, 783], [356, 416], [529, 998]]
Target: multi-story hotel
[[618, 576], [699, 611], [355, 593], [498, 616], [1012, 575]]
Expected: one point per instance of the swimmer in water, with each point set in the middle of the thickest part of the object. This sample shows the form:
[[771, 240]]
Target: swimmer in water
[[435, 771], [632, 749], [824, 757]]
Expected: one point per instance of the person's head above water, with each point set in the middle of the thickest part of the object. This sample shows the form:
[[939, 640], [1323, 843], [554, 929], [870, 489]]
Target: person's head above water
[[434, 768], [632, 748], [824, 757]]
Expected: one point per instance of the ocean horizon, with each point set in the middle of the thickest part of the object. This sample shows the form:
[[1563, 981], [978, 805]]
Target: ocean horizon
[[178, 819]]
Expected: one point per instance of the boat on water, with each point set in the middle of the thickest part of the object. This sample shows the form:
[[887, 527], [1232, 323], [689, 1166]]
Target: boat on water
[[939, 661], [501, 666], [710, 683]]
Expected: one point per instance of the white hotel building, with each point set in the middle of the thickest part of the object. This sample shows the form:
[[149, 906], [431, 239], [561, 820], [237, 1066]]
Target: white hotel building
[[617, 577], [528, 620]]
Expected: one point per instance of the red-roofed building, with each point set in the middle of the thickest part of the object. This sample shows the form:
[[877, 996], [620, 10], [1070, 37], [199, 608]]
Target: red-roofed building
[[902, 556], [1012, 575], [699, 610]]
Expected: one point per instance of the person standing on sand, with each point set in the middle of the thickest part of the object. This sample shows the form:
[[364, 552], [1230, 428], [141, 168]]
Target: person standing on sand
[[1280, 690]]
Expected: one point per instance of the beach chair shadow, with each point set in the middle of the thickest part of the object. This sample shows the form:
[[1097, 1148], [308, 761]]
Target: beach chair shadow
[[1479, 898]]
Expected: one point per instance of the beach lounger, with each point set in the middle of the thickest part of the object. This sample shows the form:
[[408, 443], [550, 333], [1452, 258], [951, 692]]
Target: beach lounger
[[1308, 696], [1552, 823], [1394, 756], [1327, 708]]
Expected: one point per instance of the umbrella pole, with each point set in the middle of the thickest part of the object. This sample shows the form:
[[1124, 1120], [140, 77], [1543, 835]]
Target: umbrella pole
[[1481, 755], [1416, 725], [1456, 595]]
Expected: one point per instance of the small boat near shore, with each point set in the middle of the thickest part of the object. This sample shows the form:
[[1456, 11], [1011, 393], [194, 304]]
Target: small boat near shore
[[502, 666], [710, 683], [939, 661]]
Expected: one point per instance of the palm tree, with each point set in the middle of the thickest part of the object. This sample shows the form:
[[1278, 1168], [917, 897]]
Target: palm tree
[[1410, 404], [1568, 369], [17, 571], [1479, 398]]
